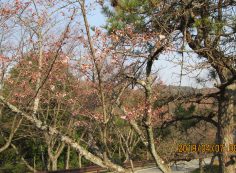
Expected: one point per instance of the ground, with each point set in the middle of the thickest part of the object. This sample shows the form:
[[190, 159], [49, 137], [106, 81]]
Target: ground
[[182, 167]]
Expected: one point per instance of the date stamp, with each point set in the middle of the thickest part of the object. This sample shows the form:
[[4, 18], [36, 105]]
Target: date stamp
[[206, 148]]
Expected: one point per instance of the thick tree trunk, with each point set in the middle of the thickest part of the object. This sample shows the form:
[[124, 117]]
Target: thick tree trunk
[[226, 115], [228, 130]]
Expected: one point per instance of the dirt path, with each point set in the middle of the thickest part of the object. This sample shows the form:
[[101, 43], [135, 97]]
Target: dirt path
[[181, 167]]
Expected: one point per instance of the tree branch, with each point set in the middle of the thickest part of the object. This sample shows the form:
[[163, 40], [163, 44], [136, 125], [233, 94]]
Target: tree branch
[[200, 118]]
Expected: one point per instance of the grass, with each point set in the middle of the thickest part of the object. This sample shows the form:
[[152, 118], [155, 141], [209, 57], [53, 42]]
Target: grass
[[207, 169]]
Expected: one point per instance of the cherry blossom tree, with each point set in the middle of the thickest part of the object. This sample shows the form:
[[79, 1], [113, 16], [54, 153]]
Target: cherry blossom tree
[[41, 78]]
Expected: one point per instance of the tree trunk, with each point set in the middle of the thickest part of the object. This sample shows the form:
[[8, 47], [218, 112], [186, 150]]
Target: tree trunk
[[40, 66], [43, 158], [80, 160], [200, 166], [212, 161], [148, 120], [54, 164], [53, 156], [34, 163], [158, 160], [97, 66], [48, 164], [68, 158], [132, 165], [226, 115], [148, 155]]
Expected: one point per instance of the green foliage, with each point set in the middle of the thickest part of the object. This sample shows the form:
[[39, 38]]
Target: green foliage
[[128, 12], [13, 168], [182, 112], [207, 23], [10, 162]]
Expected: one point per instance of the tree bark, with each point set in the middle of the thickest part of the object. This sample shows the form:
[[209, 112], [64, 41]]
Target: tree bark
[[229, 129], [80, 160], [148, 119], [226, 127], [98, 67], [40, 65], [54, 164]]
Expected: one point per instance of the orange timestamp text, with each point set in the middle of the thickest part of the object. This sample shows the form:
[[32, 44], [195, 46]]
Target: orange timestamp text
[[206, 148]]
